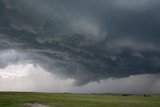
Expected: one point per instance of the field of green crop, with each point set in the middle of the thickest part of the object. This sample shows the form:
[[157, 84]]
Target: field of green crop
[[13, 99]]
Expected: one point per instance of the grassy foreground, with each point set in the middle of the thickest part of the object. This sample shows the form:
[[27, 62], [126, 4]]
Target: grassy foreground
[[13, 99]]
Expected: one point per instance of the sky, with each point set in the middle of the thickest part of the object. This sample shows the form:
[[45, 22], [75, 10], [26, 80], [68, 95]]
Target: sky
[[80, 46]]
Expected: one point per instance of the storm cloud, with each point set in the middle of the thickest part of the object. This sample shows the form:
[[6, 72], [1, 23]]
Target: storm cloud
[[83, 40]]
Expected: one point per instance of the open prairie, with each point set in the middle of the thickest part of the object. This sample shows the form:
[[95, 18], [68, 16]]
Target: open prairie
[[15, 99]]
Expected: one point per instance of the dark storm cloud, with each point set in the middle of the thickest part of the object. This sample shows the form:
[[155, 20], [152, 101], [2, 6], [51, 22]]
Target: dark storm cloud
[[85, 40]]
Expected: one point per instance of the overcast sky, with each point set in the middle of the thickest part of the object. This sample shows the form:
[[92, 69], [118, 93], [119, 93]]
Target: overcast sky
[[80, 46]]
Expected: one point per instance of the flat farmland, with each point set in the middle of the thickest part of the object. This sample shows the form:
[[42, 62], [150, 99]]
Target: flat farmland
[[30, 99]]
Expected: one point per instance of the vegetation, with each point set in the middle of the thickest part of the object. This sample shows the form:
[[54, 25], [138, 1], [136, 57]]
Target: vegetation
[[14, 99]]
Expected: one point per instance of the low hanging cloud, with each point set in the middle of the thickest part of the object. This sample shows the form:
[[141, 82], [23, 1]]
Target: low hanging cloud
[[87, 40], [27, 77]]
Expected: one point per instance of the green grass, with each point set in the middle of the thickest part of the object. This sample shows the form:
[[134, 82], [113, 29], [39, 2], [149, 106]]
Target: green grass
[[14, 99]]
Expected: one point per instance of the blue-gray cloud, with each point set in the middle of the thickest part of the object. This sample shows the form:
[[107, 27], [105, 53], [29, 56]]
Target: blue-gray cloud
[[85, 40]]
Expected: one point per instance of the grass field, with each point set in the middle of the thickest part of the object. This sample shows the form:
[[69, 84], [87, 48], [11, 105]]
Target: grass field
[[14, 99]]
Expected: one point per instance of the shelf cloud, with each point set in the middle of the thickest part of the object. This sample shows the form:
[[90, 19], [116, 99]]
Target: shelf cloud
[[86, 40]]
